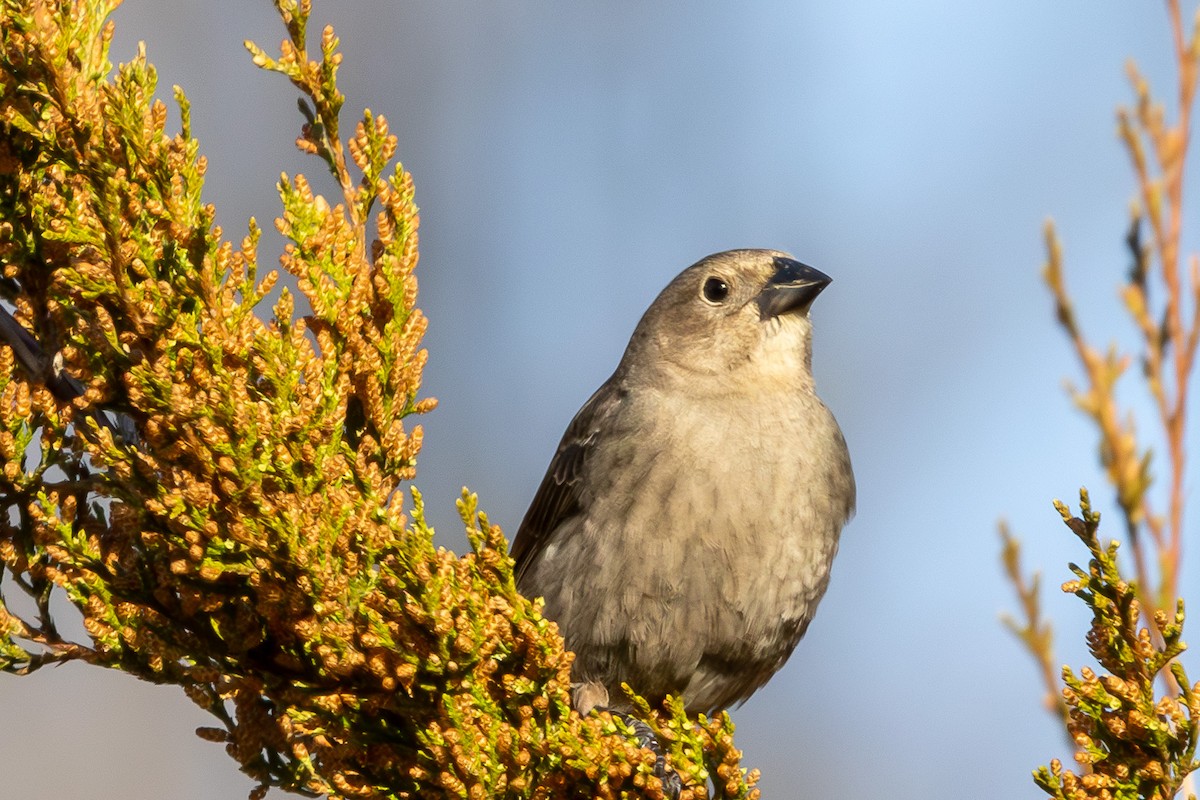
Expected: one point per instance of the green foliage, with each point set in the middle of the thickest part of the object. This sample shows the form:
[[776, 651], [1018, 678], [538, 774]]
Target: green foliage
[[1131, 742], [245, 533]]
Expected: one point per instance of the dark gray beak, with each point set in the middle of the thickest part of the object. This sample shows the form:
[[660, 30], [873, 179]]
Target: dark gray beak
[[793, 287]]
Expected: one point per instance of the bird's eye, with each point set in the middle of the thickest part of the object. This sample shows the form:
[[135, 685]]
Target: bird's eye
[[715, 290]]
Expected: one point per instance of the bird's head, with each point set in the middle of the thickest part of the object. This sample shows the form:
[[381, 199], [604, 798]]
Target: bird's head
[[741, 314]]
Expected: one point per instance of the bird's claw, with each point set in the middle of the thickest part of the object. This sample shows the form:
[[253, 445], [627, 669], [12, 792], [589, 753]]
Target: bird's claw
[[644, 736]]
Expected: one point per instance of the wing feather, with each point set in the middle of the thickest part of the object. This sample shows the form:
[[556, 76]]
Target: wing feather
[[558, 496]]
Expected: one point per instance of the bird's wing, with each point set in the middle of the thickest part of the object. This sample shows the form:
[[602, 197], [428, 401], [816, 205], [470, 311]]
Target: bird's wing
[[558, 496]]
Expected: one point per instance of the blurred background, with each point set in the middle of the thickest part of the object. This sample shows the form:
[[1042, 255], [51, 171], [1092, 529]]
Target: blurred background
[[570, 158]]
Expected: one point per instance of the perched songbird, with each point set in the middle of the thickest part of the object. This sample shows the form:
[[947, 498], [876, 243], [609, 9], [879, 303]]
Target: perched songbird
[[683, 534]]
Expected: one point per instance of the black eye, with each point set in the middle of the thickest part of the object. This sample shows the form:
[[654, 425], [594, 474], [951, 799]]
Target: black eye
[[715, 290]]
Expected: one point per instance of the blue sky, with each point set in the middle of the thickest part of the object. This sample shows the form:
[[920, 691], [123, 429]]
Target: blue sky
[[570, 158]]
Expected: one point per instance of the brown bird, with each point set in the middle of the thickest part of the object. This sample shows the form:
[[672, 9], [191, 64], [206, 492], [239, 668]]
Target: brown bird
[[684, 531]]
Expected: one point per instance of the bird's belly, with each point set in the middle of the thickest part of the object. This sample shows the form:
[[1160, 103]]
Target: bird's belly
[[691, 588]]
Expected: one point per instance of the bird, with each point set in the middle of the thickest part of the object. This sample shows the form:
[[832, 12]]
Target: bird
[[684, 531]]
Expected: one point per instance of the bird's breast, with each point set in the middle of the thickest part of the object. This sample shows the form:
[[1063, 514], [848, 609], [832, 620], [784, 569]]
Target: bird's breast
[[741, 499]]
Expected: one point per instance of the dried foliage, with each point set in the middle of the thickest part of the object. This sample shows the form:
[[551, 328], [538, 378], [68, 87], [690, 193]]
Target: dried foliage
[[1165, 309], [1132, 743], [1034, 631], [222, 497]]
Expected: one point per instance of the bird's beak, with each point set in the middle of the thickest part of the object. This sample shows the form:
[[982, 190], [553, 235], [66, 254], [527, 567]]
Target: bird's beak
[[793, 287]]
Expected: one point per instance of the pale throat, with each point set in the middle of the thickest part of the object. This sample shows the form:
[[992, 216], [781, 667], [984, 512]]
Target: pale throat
[[784, 354]]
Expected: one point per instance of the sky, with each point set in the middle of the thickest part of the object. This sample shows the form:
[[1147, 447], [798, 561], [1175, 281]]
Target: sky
[[569, 160]]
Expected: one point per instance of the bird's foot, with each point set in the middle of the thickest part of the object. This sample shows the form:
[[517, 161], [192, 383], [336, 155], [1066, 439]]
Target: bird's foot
[[644, 736]]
